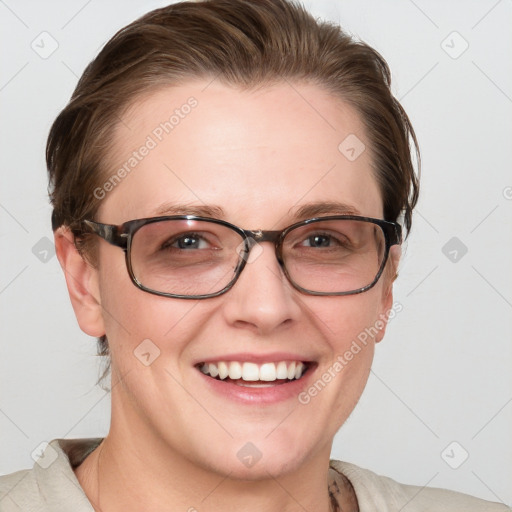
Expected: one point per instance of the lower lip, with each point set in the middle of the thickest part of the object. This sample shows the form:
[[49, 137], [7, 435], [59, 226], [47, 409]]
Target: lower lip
[[259, 395]]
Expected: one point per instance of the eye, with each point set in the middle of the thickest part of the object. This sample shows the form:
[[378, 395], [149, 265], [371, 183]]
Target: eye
[[187, 241], [322, 240], [318, 241]]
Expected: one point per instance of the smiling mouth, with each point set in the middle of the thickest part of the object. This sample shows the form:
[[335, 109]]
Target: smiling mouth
[[255, 375]]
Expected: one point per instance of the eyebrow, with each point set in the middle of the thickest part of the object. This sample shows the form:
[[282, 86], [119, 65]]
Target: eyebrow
[[201, 210], [305, 211], [311, 210]]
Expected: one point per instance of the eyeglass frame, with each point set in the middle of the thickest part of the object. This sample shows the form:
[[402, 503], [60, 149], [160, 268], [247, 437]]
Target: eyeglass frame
[[122, 235]]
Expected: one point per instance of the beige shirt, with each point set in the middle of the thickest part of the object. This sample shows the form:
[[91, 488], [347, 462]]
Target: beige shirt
[[51, 486]]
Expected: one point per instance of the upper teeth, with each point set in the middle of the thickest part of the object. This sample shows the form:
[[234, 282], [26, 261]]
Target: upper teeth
[[254, 372]]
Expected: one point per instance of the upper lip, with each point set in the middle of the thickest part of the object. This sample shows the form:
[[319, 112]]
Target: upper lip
[[273, 357]]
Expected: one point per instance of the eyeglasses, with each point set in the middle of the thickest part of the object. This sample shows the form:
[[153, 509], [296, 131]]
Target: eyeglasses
[[190, 257]]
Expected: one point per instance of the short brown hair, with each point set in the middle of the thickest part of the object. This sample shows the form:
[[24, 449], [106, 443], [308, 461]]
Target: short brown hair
[[243, 43]]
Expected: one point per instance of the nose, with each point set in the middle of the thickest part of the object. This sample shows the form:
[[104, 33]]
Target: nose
[[262, 300]]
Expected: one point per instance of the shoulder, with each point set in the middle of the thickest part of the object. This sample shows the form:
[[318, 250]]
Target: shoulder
[[375, 492], [51, 484], [16, 490]]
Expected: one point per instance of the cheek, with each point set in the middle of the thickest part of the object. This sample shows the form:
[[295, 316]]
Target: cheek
[[139, 321], [349, 327], [348, 318]]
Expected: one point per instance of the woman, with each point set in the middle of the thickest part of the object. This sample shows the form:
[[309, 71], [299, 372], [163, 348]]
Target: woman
[[227, 182]]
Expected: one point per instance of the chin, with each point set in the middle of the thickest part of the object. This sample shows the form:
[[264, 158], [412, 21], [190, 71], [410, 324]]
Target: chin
[[256, 457]]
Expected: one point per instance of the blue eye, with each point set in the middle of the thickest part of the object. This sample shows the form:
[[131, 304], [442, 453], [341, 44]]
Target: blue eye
[[187, 241], [319, 241], [325, 240]]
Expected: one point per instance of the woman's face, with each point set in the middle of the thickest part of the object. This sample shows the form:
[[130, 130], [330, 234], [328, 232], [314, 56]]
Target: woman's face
[[253, 158]]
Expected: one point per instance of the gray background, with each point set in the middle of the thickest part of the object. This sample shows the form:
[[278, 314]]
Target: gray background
[[441, 375]]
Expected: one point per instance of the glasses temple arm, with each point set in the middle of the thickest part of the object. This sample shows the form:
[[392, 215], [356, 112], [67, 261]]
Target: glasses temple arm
[[108, 232]]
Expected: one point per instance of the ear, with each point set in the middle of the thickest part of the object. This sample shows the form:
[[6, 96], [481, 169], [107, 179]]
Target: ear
[[82, 282], [389, 275]]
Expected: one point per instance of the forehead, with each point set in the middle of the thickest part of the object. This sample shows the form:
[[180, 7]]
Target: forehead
[[258, 154]]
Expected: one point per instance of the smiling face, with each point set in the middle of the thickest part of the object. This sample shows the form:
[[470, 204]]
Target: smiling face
[[260, 159]]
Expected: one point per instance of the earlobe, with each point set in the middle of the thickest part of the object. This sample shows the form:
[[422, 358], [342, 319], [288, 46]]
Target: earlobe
[[390, 275], [82, 283], [387, 304], [395, 253]]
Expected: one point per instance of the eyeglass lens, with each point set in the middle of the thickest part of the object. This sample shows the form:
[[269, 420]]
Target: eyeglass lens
[[190, 257]]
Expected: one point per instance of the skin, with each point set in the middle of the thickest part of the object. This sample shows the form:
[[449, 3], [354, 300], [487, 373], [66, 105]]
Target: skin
[[258, 155]]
